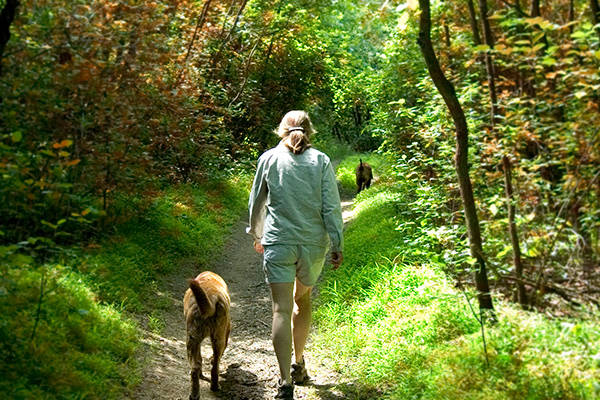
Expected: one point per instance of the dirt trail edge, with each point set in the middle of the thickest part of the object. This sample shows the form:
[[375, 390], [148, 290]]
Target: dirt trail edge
[[249, 368]]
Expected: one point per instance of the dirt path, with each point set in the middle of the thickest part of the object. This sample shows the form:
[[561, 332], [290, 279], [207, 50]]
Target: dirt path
[[249, 368]]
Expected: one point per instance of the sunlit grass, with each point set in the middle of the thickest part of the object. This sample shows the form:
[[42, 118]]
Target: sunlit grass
[[346, 170], [78, 348], [391, 320], [84, 343], [186, 222]]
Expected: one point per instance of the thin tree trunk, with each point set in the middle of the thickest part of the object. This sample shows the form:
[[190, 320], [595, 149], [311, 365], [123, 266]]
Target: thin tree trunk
[[246, 72], [7, 17], [448, 92], [217, 55], [535, 9], [512, 230], [199, 26], [489, 63], [474, 26], [571, 15], [595, 16]]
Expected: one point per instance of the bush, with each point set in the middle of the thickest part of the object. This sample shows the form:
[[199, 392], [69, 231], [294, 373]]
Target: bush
[[346, 170], [185, 222], [69, 347], [393, 322]]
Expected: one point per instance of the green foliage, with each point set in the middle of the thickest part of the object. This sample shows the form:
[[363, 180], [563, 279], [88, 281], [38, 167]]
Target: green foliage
[[64, 346], [186, 223], [391, 319], [334, 148], [346, 170], [77, 345]]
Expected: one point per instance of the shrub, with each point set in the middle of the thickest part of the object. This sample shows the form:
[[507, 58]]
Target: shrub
[[66, 346]]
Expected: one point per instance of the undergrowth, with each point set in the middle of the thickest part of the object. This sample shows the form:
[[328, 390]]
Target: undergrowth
[[184, 223], [392, 321], [346, 170], [65, 330]]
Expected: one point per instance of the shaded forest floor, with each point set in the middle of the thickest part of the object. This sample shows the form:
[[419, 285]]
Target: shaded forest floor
[[249, 367]]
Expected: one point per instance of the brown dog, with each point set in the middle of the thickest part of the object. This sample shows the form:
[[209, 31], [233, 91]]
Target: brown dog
[[206, 308], [364, 174]]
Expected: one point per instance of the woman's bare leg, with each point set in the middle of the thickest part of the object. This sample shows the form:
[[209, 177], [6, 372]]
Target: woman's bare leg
[[302, 319], [283, 306]]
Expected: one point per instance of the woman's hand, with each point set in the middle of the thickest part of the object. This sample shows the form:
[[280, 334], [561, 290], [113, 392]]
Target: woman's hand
[[259, 247], [336, 259]]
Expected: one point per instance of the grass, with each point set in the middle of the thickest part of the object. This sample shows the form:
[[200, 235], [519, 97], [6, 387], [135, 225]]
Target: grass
[[335, 149], [184, 223], [346, 170], [393, 322], [84, 342], [80, 349]]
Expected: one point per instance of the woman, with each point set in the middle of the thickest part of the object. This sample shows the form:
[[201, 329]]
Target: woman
[[295, 217]]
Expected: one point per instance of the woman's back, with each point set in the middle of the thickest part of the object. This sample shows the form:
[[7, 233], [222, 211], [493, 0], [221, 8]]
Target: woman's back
[[295, 200]]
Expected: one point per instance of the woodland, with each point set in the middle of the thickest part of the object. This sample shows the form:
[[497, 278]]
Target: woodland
[[129, 131]]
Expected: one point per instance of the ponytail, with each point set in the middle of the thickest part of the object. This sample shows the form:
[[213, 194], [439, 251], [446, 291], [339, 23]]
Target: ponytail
[[295, 130], [296, 140]]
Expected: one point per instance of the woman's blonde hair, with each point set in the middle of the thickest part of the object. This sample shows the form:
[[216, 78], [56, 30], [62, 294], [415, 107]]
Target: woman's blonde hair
[[295, 130]]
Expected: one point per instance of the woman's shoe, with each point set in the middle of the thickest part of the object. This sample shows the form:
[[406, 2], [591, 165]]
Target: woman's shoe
[[299, 375], [285, 391]]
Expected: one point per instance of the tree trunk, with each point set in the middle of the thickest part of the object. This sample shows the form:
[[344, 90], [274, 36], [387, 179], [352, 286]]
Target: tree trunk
[[474, 26], [595, 16], [7, 17], [535, 9], [461, 159], [571, 15], [489, 63], [198, 28], [229, 36], [512, 230]]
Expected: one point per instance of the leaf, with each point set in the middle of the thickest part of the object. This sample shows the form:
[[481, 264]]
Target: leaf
[[16, 136], [61, 221], [63, 153], [530, 217], [537, 37], [413, 4], [44, 222], [581, 94], [504, 252], [403, 21], [48, 153], [494, 209], [66, 143], [538, 47], [73, 162], [57, 145], [481, 47], [549, 61]]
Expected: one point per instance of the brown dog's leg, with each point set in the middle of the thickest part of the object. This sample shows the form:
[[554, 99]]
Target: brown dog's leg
[[218, 346], [195, 358]]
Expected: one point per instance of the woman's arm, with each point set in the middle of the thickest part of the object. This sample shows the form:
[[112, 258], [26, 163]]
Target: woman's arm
[[332, 209], [257, 203]]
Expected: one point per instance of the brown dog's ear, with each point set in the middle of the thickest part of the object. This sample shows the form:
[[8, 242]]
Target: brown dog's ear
[[207, 308]]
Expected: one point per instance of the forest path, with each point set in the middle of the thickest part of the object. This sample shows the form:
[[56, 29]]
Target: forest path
[[249, 368]]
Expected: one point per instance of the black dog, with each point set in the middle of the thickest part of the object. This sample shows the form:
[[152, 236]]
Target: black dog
[[364, 174]]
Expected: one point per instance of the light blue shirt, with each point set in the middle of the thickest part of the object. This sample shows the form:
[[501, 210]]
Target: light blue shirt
[[295, 200]]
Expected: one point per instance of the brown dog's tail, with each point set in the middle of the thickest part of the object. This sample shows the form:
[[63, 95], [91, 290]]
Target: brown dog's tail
[[206, 306]]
